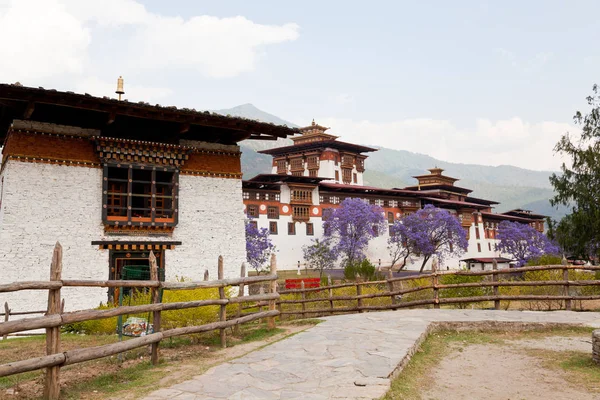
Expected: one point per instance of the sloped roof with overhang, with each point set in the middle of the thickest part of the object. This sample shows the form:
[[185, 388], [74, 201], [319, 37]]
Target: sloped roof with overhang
[[129, 120], [333, 144]]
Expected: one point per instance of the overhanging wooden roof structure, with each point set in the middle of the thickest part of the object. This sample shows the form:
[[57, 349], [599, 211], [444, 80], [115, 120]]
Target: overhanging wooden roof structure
[[128, 120], [334, 144]]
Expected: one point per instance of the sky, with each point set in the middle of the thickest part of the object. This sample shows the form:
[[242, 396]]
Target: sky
[[479, 82]]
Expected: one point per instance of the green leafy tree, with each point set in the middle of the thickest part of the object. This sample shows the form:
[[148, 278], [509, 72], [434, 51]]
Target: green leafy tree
[[319, 255], [578, 184]]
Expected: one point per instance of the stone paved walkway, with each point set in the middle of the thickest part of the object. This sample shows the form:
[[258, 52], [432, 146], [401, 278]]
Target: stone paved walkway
[[347, 356]]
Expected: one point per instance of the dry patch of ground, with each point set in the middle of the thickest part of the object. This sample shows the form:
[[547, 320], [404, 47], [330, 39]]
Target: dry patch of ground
[[547, 364], [133, 375]]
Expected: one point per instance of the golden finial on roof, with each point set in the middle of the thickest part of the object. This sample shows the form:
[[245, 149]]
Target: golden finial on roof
[[313, 122], [120, 90]]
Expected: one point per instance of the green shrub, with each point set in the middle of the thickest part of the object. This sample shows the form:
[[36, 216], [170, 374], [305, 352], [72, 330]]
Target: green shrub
[[364, 269], [170, 319], [546, 259], [452, 279], [425, 294]]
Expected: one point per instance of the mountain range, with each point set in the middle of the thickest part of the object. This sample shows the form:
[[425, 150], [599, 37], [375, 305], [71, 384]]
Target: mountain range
[[513, 187]]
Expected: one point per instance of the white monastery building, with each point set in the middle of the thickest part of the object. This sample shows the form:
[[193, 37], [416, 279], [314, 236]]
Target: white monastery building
[[111, 181], [318, 172]]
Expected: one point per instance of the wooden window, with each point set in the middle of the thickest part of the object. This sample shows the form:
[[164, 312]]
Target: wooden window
[[273, 227], [312, 161], [346, 175], [291, 228], [355, 178], [143, 195], [390, 217], [476, 232], [468, 232], [277, 196], [297, 164], [489, 246], [298, 173], [479, 247], [310, 229], [281, 166], [252, 211], [302, 196], [375, 230], [337, 176], [313, 173], [273, 212], [254, 224], [300, 213], [246, 196]]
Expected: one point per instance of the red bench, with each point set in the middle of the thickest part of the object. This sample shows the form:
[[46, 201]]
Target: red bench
[[297, 283]]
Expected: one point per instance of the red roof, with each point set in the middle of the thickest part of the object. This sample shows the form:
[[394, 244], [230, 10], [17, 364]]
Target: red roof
[[487, 259], [456, 202]]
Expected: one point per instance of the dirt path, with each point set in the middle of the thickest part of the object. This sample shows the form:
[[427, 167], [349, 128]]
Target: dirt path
[[506, 371]]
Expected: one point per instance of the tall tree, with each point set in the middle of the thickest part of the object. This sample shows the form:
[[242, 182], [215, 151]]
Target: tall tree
[[258, 247], [320, 255], [351, 226], [523, 242], [429, 232], [578, 184]]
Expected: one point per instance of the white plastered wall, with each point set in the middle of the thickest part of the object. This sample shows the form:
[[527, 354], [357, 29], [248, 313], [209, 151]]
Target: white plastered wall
[[44, 203]]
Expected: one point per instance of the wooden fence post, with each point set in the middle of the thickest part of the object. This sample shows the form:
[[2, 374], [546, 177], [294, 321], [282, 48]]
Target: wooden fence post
[[495, 288], [273, 290], [223, 312], [303, 298], [52, 383], [566, 285], [155, 296], [6, 316], [436, 295], [330, 294], [236, 328], [391, 286], [358, 293]]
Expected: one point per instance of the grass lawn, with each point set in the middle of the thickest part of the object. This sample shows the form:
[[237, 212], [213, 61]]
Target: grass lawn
[[576, 367]]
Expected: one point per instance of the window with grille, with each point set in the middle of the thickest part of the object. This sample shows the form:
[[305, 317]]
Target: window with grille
[[300, 213], [390, 216], [346, 175], [254, 224], [140, 195], [476, 232], [379, 202], [313, 173], [273, 228], [310, 230], [273, 212], [277, 196], [297, 163], [337, 176], [252, 211], [281, 166], [304, 196], [479, 247], [246, 196], [312, 161], [291, 228], [355, 178], [394, 203], [298, 173]]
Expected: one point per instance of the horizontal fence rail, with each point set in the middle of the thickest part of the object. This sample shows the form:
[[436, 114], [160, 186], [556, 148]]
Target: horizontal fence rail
[[55, 317], [296, 302]]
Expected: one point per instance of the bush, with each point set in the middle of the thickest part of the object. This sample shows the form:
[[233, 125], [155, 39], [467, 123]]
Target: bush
[[425, 294], [452, 279], [170, 319], [546, 259], [364, 269]]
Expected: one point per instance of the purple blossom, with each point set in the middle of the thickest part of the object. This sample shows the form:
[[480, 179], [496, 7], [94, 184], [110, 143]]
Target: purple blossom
[[258, 247], [351, 226], [429, 232], [523, 242]]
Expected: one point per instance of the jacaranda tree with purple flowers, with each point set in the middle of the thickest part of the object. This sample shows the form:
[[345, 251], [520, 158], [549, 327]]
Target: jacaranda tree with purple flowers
[[429, 232], [351, 226], [258, 247], [523, 242]]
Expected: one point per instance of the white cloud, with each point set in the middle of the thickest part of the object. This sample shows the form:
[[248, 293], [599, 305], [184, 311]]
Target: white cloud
[[46, 38], [40, 39], [504, 142]]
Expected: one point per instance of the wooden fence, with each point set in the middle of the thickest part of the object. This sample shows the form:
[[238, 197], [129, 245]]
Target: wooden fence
[[394, 289], [55, 317]]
